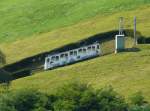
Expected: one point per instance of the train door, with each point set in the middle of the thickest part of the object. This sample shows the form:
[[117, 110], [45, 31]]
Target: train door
[[84, 53], [79, 57], [54, 61], [47, 63], [64, 58], [89, 51], [98, 49], [71, 59]]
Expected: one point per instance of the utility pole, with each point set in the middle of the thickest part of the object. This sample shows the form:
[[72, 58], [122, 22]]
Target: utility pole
[[121, 26], [135, 36]]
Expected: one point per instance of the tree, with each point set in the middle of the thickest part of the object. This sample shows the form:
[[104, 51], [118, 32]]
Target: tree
[[80, 97], [109, 100], [140, 108], [6, 102], [2, 58], [4, 75], [138, 103], [28, 100], [76, 97], [137, 99]]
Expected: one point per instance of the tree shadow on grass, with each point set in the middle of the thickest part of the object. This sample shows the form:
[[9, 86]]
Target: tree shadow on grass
[[134, 49], [5, 77], [144, 40], [25, 66]]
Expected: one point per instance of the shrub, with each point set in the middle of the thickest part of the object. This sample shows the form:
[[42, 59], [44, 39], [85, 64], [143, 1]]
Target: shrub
[[51, 100], [80, 97], [89, 101], [64, 105], [137, 99], [140, 108], [76, 97], [138, 103], [109, 100], [27, 100], [6, 102], [72, 97]]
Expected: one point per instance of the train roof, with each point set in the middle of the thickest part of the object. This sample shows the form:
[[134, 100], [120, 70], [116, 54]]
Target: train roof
[[73, 49]]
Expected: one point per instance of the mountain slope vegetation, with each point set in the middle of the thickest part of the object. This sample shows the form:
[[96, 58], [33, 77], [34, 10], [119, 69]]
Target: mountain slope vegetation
[[23, 18], [30, 27], [127, 72], [20, 49]]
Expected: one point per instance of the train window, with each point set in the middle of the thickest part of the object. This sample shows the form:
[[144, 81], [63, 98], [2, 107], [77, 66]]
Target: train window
[[66, 55], [53, 58], [33, 60], [84, 50], [39, 58], [93, 47], [57, 58], [89, 48], [75, 53], [62, 55], [80, 50], [71, 53], [51, 62], [48, 60]]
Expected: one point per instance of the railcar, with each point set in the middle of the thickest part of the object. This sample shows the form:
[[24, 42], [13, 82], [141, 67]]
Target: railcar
[[72, 56]]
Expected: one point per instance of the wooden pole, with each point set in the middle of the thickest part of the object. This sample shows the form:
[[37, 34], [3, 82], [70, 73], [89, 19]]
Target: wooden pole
[[135, 37], [121, 26]]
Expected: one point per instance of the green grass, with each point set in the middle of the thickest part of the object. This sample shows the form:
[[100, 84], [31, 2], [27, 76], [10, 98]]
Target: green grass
[[20, 49], [127, 72], [29, 27], [24, 18]]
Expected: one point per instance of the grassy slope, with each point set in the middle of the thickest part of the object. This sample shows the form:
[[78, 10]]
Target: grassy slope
[[127, 72], [101, 23], [23, 18]]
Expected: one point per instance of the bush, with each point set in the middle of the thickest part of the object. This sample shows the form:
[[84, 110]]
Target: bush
[[109, 100], [6, 102], [138, 103], [51, 100], [26, 100], [80, 97], [76, 97], [64, 105], [139, 108], [137, 99], [89, 101], [72, 97]]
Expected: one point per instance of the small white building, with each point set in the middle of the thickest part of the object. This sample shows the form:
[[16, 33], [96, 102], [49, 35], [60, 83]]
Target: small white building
[[120, 43], [71, 56]]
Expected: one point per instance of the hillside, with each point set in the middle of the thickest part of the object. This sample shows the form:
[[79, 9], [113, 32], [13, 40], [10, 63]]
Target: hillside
[[33, 45], [30, 27], [21, 19], [127, 72]]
